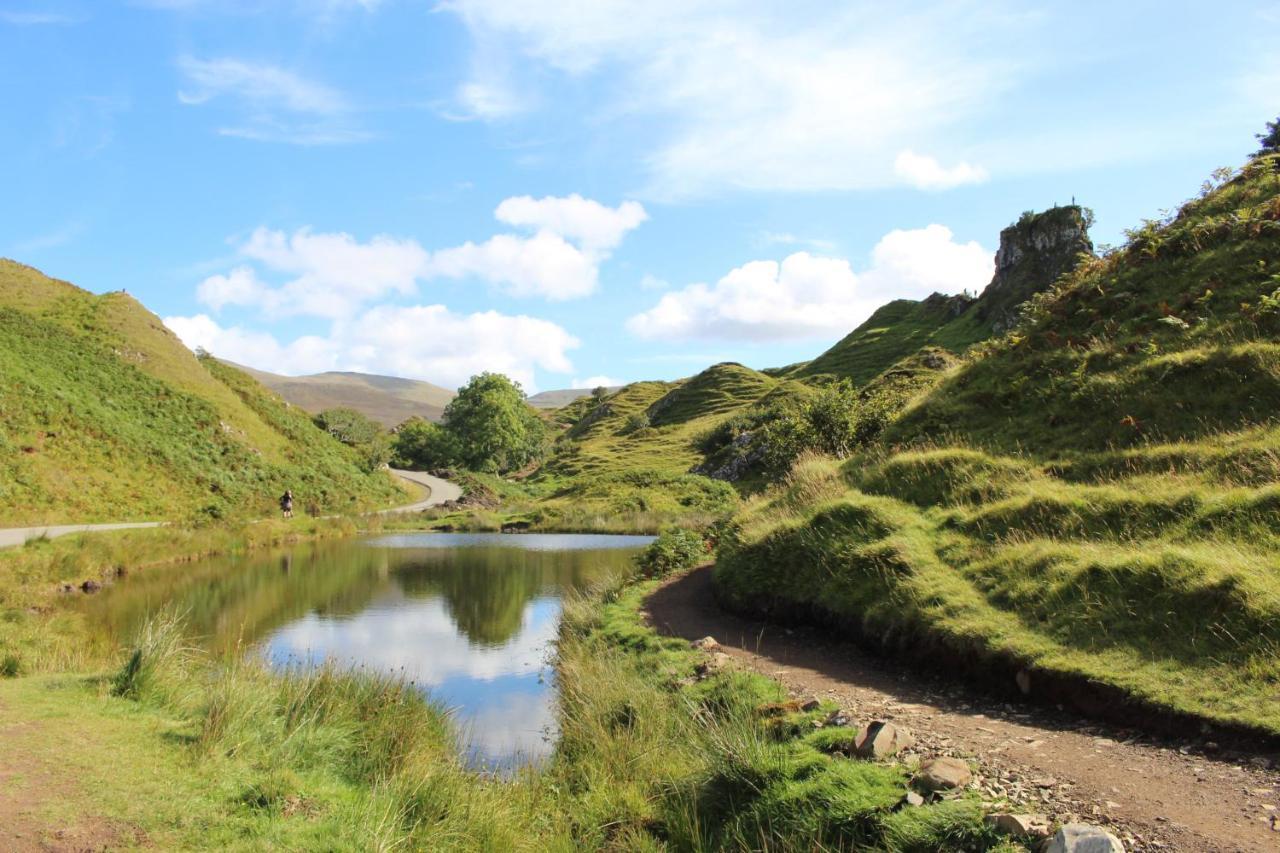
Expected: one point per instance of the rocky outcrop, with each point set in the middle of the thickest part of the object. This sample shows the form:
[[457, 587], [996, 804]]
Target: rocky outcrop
[[1034, 253]]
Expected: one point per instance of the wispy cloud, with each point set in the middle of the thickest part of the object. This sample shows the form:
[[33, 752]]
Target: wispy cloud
[[272, 104], [40, 19], [48, 240], [749, 96], [784, 238]]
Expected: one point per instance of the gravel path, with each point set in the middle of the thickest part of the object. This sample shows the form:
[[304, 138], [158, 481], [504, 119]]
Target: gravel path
[[439, 491], [1155, 794]]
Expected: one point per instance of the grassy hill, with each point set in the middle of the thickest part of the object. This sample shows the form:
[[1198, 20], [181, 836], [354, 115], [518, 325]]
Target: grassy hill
[[106, 416], [1034, 252], [1091, 498], [389, 400]]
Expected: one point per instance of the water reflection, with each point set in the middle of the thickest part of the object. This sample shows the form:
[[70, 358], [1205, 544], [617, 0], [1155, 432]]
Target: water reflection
[[468, 616]]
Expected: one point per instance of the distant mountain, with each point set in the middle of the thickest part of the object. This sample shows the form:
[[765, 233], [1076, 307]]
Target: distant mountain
[[389, 400], [561, 398]]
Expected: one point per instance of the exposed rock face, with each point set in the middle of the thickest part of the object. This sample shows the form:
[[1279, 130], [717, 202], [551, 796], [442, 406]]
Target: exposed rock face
[[1034, 252]]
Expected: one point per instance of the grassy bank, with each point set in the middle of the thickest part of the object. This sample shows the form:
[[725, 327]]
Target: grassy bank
[[227, 755], [39, 634]]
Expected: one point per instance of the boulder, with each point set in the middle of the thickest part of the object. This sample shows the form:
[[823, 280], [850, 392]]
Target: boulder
[[943, 774], [1020, 825], [1083, 838], [707, 644], [880, 740], [716, 662], [913, 799]]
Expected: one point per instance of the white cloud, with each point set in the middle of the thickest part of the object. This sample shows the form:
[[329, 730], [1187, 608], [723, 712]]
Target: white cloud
[[594, 226], [652, 282], [39, 19], [332, 275], [275, 104], [542, 265], [427, 342], [594, 382], [574, 235], [784, 238], [744, 95], [808, 296], [926, 173]]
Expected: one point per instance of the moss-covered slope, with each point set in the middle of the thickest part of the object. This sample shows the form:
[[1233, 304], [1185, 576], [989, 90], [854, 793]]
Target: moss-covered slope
[[105, 416], [1092, 497]]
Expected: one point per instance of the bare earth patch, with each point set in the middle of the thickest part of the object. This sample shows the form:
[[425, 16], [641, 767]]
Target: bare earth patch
[[1156, 794], [36, 791]]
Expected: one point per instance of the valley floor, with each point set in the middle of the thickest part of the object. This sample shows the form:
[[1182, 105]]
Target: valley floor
[[1162, 795]]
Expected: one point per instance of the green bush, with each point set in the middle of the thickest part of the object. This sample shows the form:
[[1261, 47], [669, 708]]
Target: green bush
[[673, 551]]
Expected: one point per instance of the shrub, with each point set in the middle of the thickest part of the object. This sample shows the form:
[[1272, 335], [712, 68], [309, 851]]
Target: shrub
[[673, 551]]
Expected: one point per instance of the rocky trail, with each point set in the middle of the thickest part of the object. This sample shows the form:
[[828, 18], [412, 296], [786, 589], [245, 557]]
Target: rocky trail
[[1155, 794]]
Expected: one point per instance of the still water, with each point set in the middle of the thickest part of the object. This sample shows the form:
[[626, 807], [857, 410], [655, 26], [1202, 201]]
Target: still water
[[469, 617]]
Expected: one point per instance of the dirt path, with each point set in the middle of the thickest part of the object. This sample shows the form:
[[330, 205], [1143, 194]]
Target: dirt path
[[1157, 794], [438, 492]]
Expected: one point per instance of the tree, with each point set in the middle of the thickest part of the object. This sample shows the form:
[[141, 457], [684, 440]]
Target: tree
[[495, 430], [359, 432], [1271, 139], [421, 445], [599, 393]]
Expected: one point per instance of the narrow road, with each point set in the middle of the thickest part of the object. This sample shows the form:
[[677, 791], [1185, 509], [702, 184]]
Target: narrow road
[[1157, 794], [438, 491]]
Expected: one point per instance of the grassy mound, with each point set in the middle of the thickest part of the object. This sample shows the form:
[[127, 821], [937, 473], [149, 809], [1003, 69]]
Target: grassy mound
[[1091, 497], [108, 417]]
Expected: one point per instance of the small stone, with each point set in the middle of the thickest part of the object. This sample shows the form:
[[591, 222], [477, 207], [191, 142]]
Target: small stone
[[881, 740], [810, 705], [1023, 678], [943, 774], [837, 718], [913, 799], [1020, 825], [1083, 838], [706, 644]]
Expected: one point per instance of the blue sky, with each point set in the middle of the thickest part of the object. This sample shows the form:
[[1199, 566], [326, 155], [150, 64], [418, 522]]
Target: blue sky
[[571, 191]]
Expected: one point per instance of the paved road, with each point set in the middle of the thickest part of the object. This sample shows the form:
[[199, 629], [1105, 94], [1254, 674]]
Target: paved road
[[439, 491]]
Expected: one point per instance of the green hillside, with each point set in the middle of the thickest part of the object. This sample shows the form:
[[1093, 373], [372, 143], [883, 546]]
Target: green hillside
[[1092, 497], [1034, 252], [106, 416]]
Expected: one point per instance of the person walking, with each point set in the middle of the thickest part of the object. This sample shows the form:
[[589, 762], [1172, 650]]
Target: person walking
[[286, 503]]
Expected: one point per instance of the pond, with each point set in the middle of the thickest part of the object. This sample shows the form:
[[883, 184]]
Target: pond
[[469, 617]]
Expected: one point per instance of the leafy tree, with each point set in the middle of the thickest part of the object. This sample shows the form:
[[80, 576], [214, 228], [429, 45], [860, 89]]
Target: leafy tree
[[1271, 139], [359, 432], [495, 430], [421, 444], [599, 393]]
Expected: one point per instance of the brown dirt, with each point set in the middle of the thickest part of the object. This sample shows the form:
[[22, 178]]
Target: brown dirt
[[1156, 794], [32, 786]]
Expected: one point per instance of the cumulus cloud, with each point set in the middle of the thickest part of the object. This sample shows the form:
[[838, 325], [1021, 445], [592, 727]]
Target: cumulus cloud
[[594, 226], [427, 342], [808, 296], [271, 104], [542, 265], [744, 95], [329, 275], [926, 173], [334, 274], [573, 236]]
